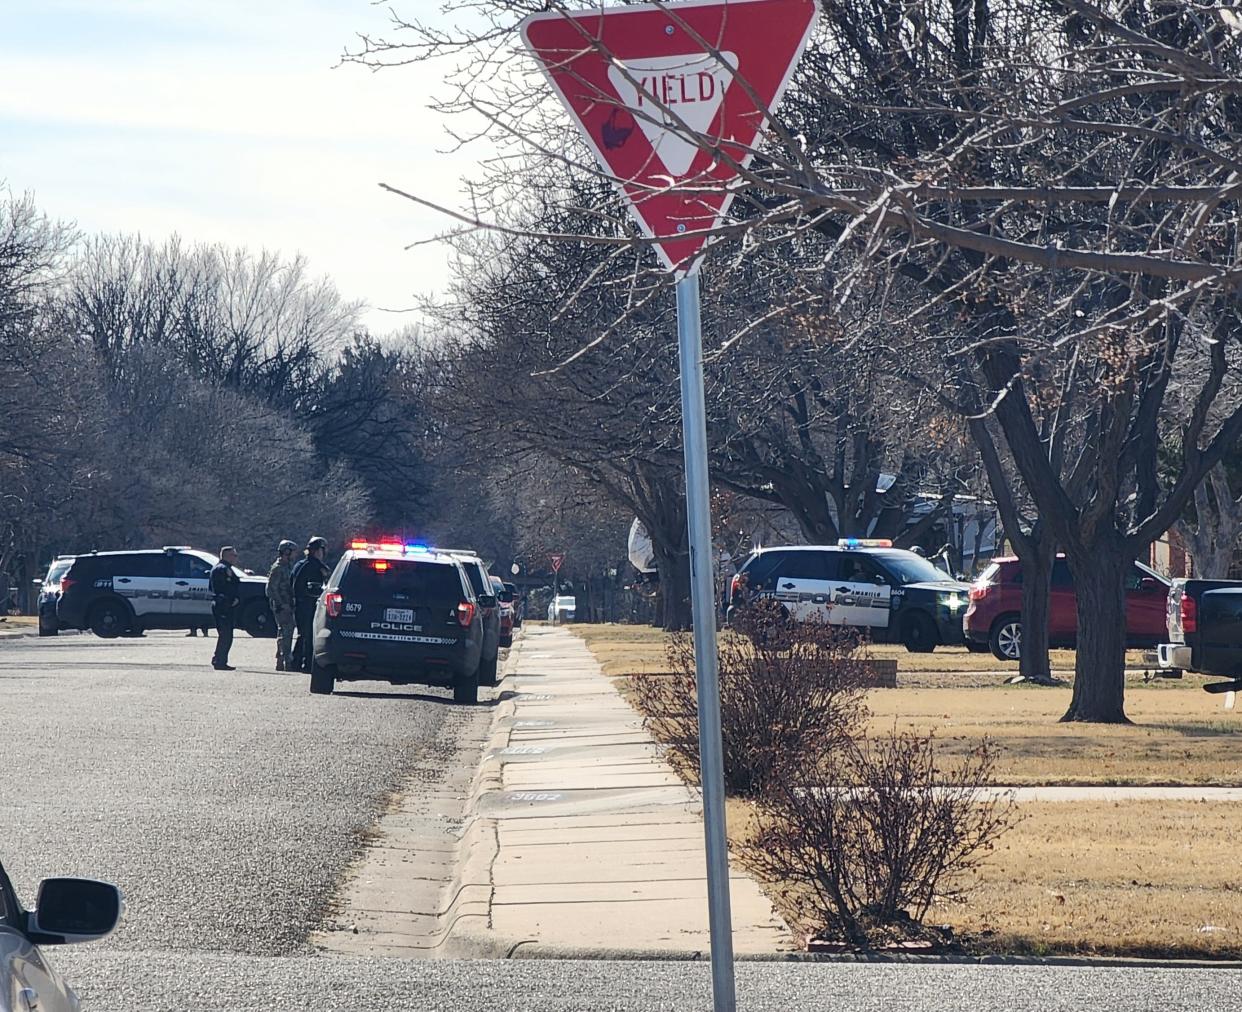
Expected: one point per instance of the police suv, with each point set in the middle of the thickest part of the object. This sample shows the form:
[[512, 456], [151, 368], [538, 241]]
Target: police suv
[[893, 594], [120, 593], [403, 614]]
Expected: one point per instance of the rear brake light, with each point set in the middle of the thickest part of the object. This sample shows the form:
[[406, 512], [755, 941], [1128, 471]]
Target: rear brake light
[[66, 583], [978, 590], [465, 613], [735, 585], [332, 602], [1190, 614]]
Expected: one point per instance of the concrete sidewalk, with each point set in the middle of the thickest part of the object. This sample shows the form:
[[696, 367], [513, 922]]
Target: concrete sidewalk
[[600, 844], [574, 836]]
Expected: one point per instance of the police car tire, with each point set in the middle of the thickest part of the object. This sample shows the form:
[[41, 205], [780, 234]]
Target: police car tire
[[918, 634], [109, 619], [258, 621], [487, 670], [322, 680], [48, 630], [466, 688]]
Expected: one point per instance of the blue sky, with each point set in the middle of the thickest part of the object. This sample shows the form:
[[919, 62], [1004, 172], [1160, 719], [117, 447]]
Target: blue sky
[[227, 122]]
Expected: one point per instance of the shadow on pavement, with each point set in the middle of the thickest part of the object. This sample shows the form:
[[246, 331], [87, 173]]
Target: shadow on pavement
[[413, 696]]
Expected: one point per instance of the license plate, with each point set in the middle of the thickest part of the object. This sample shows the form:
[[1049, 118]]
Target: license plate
[[399, 615]]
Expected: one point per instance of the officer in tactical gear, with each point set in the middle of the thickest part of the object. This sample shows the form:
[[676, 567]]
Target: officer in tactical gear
[[309, 576], [280, 597], [225, 591]]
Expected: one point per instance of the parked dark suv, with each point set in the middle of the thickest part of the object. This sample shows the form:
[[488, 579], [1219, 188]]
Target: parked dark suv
[[407, 618], [481, 583], [118, 593]]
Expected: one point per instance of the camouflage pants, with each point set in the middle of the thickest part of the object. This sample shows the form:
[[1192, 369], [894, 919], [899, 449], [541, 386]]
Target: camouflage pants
[[285, 628]]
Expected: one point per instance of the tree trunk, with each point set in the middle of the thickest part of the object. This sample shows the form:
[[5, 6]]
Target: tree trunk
[[674, 589], [1100, 666], [1036, 562]]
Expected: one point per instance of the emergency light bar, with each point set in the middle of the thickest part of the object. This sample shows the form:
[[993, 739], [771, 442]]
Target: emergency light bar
[[864, 543], [414, 548]]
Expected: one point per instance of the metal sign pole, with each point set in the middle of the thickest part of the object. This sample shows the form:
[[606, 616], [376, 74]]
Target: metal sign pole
[[703, 599]]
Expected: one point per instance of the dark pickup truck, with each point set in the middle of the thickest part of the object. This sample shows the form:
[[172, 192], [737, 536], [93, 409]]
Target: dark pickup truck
[[1205, 630]]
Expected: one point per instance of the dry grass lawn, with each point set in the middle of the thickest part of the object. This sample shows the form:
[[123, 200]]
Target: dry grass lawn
[[1180, 735], [1145, 878], [1150, 878], [14, 622]]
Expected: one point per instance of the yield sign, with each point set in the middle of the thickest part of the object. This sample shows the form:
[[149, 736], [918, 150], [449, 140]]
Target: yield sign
[[557, 560], [672, 98]]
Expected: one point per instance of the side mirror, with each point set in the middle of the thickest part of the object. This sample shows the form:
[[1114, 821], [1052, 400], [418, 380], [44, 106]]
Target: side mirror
[[1149, 585], [879, 581], [487, 600], [37, 583], [505, 597], [74, 910]]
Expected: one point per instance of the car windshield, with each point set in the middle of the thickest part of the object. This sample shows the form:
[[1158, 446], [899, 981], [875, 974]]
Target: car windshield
[[214, 560], [907, 567], [58, 569]]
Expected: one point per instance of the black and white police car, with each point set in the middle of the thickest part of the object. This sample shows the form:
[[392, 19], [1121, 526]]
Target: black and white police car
[[403, 614], [122, 593], [866, 583]]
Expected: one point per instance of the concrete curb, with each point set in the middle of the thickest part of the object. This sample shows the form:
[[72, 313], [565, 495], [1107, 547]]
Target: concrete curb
[[469, 934], [454, 920], [531, 950]]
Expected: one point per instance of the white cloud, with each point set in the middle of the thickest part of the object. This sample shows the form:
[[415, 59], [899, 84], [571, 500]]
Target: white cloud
[[233, 126]]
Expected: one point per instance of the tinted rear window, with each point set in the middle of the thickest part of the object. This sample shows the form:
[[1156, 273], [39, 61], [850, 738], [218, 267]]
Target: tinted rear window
[[144, 565], [425, 581]]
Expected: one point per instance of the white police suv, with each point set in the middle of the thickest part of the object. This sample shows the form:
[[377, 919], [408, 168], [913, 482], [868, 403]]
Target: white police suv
[[865, 583], [119, 593]]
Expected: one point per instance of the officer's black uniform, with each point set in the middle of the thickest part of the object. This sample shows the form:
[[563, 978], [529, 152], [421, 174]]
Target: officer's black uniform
[[224, 589], [309, 576]]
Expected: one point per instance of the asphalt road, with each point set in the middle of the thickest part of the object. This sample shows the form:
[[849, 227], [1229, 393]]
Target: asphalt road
[[115, 983], [225, 804]]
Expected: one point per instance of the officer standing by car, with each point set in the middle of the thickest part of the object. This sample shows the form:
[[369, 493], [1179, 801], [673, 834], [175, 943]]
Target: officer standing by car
[[309, 576], [280, 597], [225, 593]]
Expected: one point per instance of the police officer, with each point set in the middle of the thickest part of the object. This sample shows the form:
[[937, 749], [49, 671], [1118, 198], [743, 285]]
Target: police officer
[[224, 589], [309, 576], [280, 597]]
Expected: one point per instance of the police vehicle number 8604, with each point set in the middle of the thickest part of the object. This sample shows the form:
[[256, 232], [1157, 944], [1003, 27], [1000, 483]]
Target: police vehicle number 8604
[[893, 594]]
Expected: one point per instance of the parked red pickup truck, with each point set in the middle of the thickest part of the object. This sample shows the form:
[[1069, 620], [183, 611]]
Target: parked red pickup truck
[[994, 615]]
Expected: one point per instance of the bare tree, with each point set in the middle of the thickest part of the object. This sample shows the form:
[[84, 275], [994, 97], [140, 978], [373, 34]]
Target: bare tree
[[1046, 190], [1212, 537]]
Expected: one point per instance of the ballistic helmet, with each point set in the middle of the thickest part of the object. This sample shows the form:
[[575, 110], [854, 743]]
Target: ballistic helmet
[[286, 546], [316, 542]]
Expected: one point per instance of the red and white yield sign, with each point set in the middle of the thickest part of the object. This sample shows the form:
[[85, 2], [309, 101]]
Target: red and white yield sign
[[672, 99], [557, 562]]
